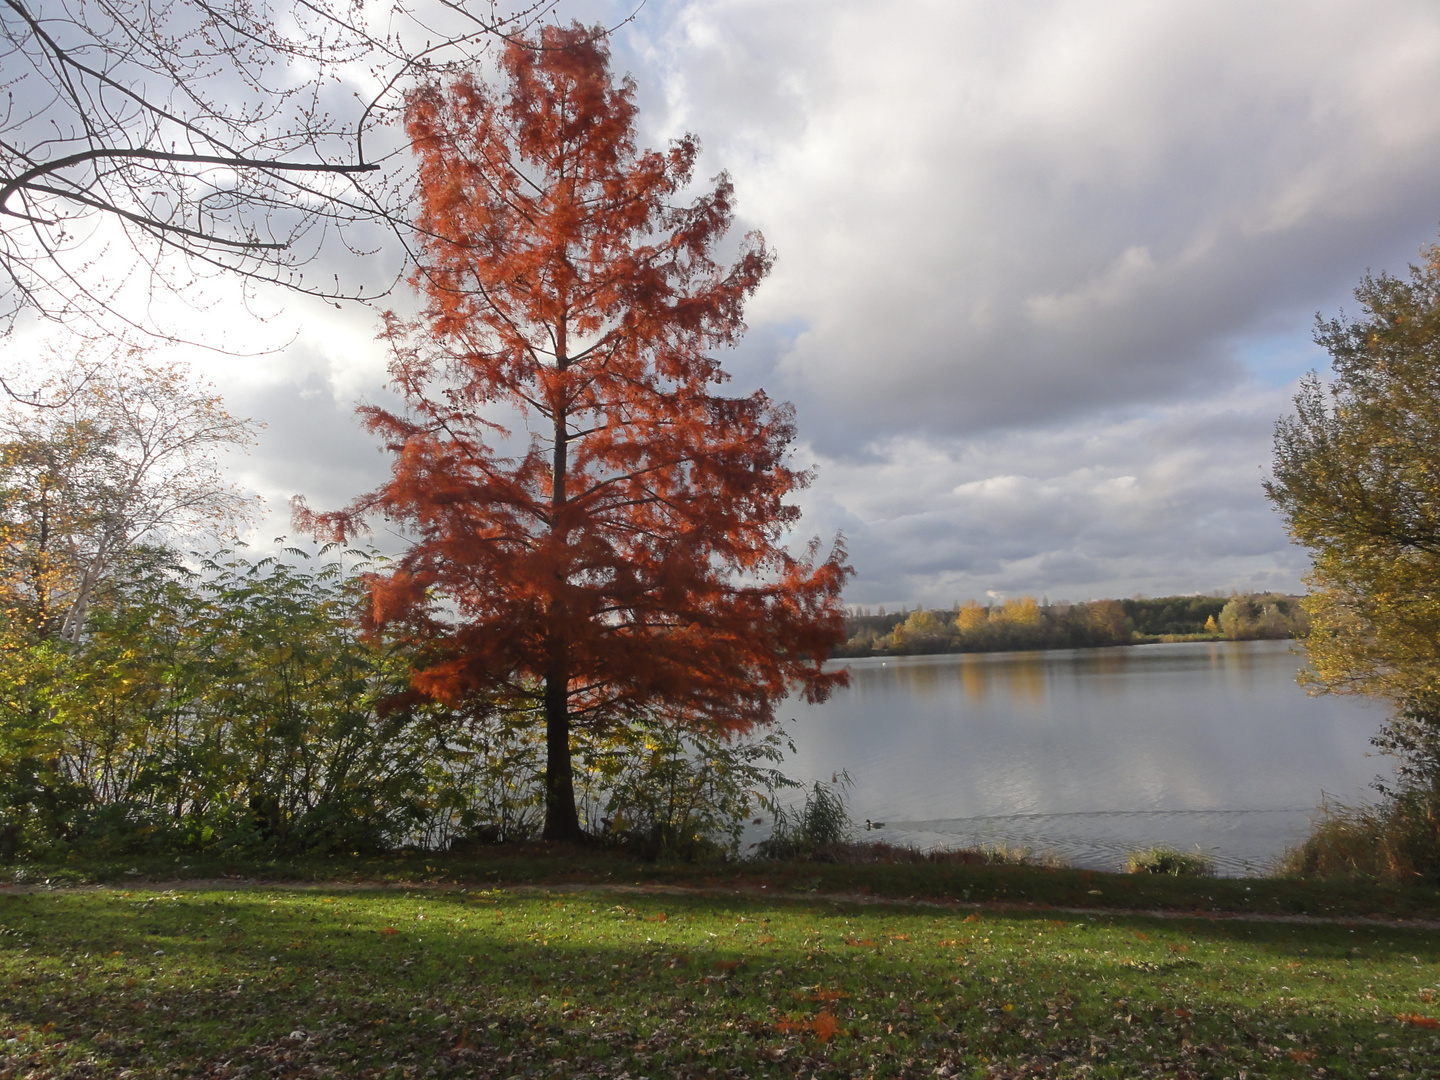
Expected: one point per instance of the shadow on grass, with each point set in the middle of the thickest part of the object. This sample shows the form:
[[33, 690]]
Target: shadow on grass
[[276, 983]]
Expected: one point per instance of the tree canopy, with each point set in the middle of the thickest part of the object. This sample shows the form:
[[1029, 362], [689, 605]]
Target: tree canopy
[[1357, 477], [127, 460], [596, 530]]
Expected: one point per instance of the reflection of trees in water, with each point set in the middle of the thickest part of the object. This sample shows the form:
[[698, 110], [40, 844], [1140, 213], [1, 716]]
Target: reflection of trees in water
[[975, 681], [1031, 678], [1106, 669], [1025, 678], [921, 679], [1022, 677]]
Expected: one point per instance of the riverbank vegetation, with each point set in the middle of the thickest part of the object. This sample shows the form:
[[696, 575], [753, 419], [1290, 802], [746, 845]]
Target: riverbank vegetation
[[630, 976], [1024, 623], [238, 706], [1354, 477]]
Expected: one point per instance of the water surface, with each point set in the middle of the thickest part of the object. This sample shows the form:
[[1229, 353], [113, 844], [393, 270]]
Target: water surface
[[1092, 753]]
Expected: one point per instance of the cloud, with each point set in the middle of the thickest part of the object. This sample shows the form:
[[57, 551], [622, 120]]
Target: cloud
[[1046, 272], [991, 216], [1159, 501]]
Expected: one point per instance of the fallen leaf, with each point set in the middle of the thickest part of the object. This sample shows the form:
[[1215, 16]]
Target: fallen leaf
[[1416, 1020], [823, 1026]]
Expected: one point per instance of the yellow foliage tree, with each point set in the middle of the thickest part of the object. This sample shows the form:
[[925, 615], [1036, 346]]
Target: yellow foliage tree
[[126, 455], [971, 617], [1022, 612]]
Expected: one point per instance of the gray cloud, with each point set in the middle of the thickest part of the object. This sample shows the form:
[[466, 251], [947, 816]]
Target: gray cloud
[[1161, 500], [1046, 271], [990, 216], [1042, 267]]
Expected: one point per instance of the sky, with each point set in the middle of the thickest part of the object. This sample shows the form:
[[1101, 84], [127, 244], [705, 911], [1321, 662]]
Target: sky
[[1047, 272]]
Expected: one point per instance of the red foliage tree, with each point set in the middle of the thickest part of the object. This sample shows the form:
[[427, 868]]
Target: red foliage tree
[[624, 558]]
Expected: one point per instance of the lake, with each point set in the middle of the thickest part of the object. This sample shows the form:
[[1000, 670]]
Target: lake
[[1091, 753]]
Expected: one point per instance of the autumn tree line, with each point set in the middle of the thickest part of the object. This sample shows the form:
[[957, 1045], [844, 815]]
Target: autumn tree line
[[1024, 623]]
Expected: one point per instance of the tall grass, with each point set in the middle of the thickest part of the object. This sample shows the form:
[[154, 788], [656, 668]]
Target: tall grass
[[1395, 841]]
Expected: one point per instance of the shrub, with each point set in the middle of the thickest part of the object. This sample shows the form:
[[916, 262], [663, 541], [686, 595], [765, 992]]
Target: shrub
[[668, 794], [1394, 841], [1397, 839], [823, 821], [1168, 860]]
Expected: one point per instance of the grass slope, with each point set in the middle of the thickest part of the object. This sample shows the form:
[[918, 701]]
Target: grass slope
[[579, 982]]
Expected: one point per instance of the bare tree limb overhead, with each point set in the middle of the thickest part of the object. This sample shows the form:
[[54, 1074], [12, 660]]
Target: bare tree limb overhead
[[152, 144]]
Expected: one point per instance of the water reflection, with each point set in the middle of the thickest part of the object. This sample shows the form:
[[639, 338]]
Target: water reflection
[[1092, 751]]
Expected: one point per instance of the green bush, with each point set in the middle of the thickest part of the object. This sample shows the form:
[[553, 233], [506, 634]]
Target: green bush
[[667, 794], [1168, 860], [239, 706]]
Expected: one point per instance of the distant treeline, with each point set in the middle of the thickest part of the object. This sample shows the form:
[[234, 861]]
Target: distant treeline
[[1028, 624]]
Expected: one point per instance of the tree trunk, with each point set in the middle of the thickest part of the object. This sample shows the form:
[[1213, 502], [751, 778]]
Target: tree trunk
[[561, 820]]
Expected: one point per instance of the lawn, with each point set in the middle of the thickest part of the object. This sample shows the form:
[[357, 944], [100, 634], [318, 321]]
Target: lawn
[[583, 981]]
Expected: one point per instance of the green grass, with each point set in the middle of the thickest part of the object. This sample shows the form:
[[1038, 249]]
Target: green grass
[[582, 982], [878, 872]]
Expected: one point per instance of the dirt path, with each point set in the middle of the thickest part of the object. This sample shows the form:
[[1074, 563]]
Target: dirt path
[[748, 892]]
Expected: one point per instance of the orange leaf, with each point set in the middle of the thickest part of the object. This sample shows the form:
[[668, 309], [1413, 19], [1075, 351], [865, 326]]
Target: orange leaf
[[824, 1026], [657, 917], [1416, 1020], [389, 930], [1302, 1056]]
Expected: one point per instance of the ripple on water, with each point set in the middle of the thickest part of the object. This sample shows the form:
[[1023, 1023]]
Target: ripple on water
[[1238, 842]]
